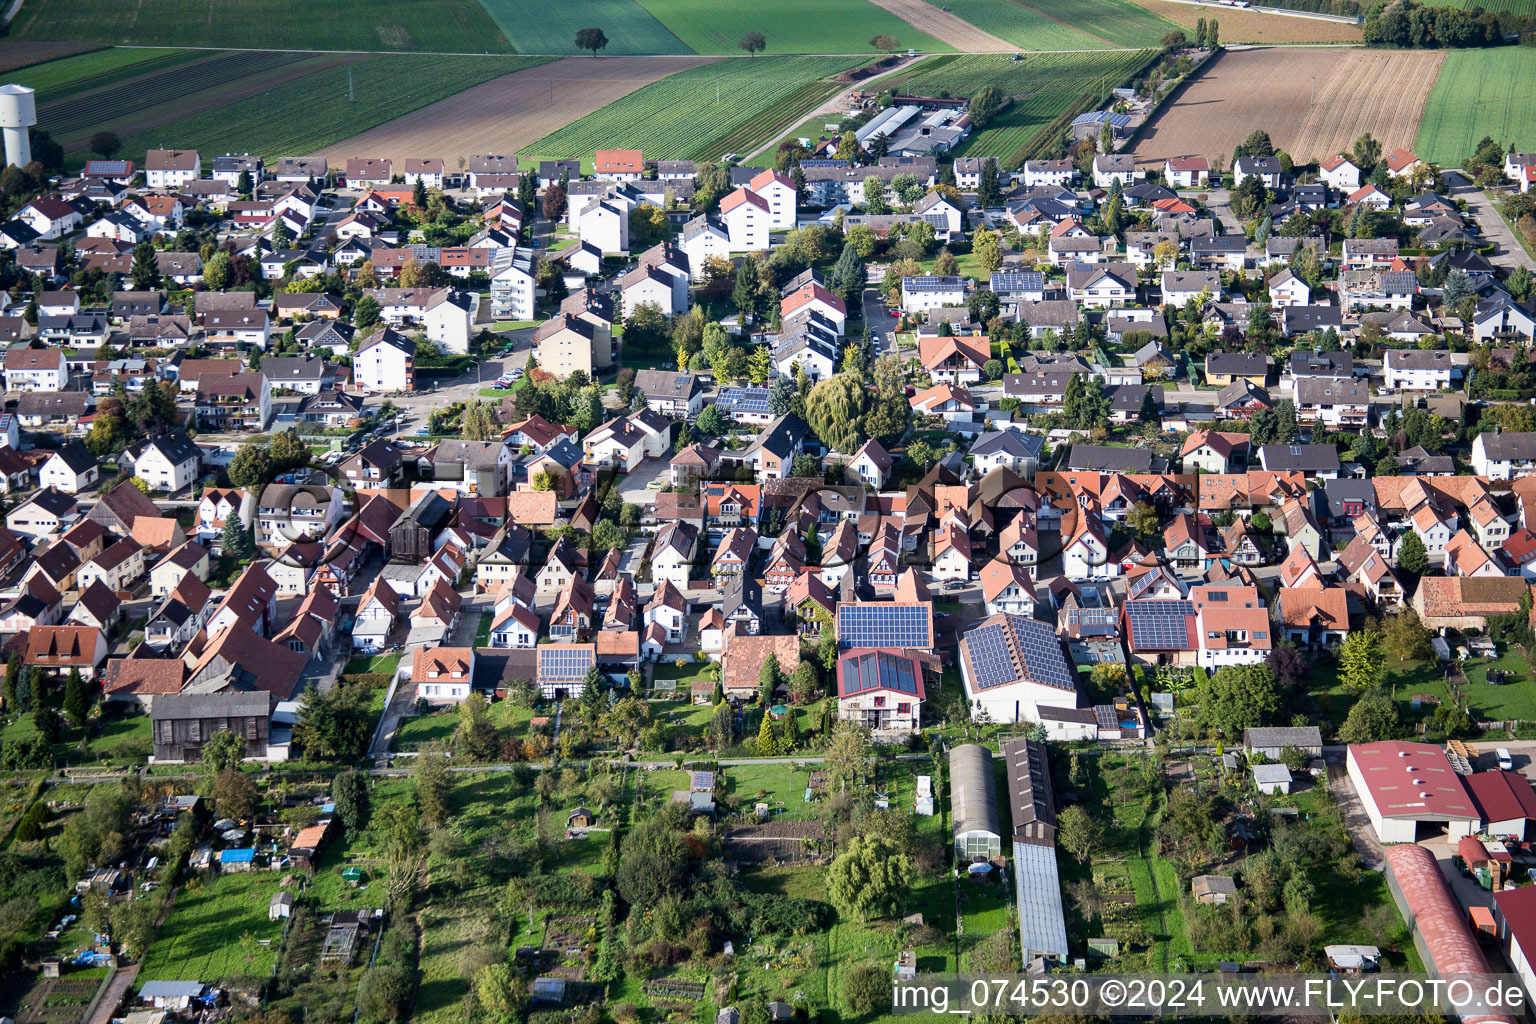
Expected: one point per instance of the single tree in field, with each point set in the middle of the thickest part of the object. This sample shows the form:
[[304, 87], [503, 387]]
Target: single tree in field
[[753, 42], [591, 39], [885, 44], [105, 144]]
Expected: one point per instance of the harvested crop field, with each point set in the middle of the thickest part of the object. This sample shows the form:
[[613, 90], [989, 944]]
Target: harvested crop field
[[502, 114], [960, 34], [1239, 26], [1376, 91], [15, 55], [304, 114]]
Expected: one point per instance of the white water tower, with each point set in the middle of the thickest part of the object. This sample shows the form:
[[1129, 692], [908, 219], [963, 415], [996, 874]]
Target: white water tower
[[18, 112]]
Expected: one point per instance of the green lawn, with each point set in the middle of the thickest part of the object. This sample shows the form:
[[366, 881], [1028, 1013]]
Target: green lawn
[[457, 26], [730, 106], [1478, 93], [1515, 697], [203, 939], [313, 112], [381, 664], [424, 730], [111, 737], [537, 27], [788, 26], [483, 631]]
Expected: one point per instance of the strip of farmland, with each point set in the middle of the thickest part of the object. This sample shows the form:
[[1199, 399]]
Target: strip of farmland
[[699, 114]]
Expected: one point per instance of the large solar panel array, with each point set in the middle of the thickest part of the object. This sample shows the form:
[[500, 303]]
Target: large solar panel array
[[875, 670], [743, 400], [1040, 651], [990, 664], [557, 661], [883, 625], [1159, 625]]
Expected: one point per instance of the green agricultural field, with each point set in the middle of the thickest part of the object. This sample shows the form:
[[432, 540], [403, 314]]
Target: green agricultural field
[[535, 26], [1113, 21], [133, 100], [453, 26], [1024, 27], [732, 106], [1043, 86], [59, 78], [204, 937], [1478, 93], [1524, 8], [312, 112], [789, 26]]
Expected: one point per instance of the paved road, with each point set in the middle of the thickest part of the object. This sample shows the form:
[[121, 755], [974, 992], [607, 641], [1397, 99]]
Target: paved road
[[1510, 253], [1217, 200], [879, 321]]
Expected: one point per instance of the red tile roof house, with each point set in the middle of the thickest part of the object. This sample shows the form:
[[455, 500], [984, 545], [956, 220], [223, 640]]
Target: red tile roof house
[[619, 164], [61, 648], [1187, 172], [365, 172]]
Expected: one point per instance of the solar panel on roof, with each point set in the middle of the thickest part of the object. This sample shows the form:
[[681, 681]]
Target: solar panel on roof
[[1041, 652], [883, 625], [990, 662], [564, 662], [744, 399], [1159, 625]]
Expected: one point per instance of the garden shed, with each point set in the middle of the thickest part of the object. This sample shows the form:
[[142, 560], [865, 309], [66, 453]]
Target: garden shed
[[1272, 779]]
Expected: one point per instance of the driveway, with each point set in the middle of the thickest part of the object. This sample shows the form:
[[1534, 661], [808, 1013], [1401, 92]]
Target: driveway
[[1217, 200], [634, 487], [1356, 821], [1509, 253]]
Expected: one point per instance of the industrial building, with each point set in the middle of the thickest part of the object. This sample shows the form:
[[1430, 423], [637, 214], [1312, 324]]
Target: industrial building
[[1412, 792], [1042, 918]]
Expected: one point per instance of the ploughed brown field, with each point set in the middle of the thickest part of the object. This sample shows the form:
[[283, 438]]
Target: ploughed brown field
[[1240, 26], [505, 114], [15, 54], [940, 24], [1376, 91]]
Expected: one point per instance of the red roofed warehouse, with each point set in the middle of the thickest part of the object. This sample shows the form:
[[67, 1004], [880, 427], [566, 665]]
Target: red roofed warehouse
[[1411, 792], [1515, 913], [1440, 930], [1507, 802]]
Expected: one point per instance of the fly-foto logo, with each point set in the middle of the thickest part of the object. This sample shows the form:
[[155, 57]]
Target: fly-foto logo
[[300, 506]]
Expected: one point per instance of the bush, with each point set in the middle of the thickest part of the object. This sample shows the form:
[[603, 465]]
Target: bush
[[867, 989]]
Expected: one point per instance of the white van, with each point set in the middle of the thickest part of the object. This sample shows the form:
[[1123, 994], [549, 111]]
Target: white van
[[1506, 762]]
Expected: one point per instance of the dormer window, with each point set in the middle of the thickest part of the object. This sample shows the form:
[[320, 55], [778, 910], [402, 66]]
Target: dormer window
[[432, 673]]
